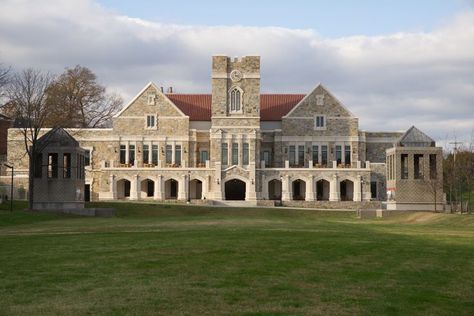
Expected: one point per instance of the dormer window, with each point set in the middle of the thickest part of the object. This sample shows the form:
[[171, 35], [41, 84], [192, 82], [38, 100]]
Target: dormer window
[[151, 99], [235, 100]]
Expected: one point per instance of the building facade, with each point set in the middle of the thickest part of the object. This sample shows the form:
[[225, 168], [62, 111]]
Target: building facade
[[233, 144]]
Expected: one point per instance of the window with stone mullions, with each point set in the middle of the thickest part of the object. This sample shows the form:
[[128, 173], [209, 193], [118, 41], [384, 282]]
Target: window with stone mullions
[[177, 154], [150, 121], [123, 153], [319, 121], [315, 154], [154, 154], [246, 154], [292, 155], [224, 154], [235, 153], [339, 154], [146, 152], [324, 154], [347, 155], [300, 156], [235, 105], [131, 154]]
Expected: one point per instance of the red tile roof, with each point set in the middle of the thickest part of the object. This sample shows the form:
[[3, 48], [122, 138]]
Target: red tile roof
[[272, 106], [196, 106]]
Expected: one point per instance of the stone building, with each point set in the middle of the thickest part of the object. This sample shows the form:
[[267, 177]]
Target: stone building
[[58, 172], [234, 144], [415, 173]]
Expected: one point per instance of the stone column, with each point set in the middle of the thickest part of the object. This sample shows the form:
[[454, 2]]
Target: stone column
[[205, 187], [310, 189], [135, 188], [334, 194], [251, 194], [357, 190], [265, 193], [183, 188], [113, 187], [159, 190], [286, 188]]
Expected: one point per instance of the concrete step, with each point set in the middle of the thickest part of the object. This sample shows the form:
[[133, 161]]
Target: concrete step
[[235, 203]]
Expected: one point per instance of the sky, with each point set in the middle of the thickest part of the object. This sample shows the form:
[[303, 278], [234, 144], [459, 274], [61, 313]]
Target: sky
[[392, 63]]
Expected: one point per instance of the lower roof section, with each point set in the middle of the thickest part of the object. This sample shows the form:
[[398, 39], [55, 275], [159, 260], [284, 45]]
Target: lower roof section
[[272, 106]]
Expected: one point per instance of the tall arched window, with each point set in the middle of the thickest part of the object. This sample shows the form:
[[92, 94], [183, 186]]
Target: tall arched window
[[235, 100]]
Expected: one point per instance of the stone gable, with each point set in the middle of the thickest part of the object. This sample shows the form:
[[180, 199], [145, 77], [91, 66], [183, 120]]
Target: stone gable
[[163, 106], [309, 107]]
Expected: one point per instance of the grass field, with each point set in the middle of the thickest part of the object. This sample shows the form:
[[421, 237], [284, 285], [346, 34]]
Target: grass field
[[169, 260]]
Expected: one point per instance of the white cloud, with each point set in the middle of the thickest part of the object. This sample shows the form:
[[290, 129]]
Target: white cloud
[[390, 82]]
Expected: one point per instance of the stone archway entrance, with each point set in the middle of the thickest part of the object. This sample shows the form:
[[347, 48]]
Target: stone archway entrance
[[299, 190], [147, 188], [235, 190], [347, 190], [322, 190], [171, 189], [123, 189], [195, 189], [274, 189]]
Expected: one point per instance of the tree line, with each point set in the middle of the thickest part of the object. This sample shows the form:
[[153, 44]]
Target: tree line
[[458, 168]]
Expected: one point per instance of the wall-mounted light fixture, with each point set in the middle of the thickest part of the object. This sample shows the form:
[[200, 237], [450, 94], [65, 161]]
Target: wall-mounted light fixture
[[218, 181], [252, 181]]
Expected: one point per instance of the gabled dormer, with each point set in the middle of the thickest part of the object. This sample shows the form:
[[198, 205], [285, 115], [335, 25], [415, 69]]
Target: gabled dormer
[[151, 112], [320, 113]]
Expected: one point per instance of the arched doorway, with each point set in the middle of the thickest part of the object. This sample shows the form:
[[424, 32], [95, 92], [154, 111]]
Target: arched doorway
[[195, 189], [347, 190], [274, 190], [123, 189], [299, 190], [171, 189], [322, 190], [147, 188], [235, 190]]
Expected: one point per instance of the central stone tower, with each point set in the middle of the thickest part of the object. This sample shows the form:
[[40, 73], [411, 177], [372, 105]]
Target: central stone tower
[[235, 128]]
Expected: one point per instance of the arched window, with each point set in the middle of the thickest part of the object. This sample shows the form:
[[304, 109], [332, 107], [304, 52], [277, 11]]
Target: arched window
[[235, 100]]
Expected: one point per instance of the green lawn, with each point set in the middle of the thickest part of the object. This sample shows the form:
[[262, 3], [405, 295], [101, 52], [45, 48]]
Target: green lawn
[[156, 259]]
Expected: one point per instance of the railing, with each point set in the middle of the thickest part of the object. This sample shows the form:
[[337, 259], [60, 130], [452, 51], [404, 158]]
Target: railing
[[344, 165], [320, 165], [310, 165]]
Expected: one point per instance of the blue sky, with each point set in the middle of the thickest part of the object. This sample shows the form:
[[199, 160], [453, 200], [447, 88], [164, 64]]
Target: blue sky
[[328, 18]]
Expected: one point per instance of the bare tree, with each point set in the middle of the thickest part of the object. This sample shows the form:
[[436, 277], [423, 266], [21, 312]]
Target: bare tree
[[4, 76], [27, 104], [77, 100], [435, 186]]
